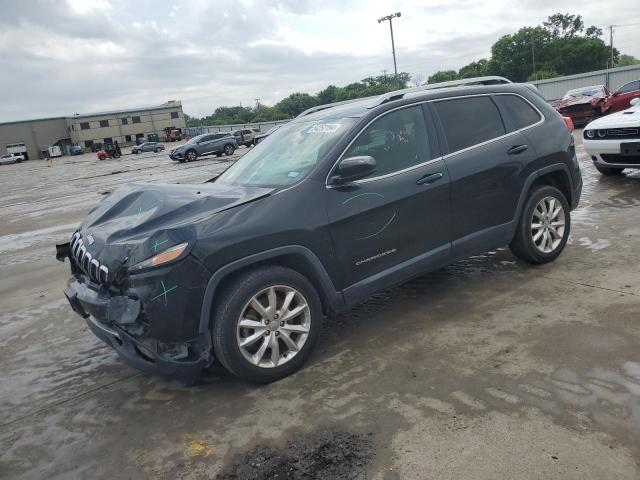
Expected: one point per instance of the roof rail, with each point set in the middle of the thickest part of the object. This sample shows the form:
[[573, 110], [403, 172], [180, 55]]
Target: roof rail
[[317, 108], [398, 94]]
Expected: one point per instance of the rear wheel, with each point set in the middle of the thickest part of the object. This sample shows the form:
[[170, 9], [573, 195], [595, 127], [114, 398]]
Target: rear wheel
[[609, 170], [191, 155], [544, 226], [158, 150], [266, 324], [229, 149]]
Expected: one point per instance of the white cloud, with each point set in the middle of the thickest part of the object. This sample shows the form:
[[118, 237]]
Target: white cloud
[[100, 54]]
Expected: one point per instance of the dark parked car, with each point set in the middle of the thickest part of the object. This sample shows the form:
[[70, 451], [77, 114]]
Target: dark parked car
[[76, 150], [340, 203], [217, 143], [147, 147]]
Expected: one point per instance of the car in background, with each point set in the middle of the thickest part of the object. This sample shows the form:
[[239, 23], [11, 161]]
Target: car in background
[[613, 142], [216, 143], [11, 158], [246, 136], [76, 150], [147, 147], [262, 136], [584, 104], [621, 98]]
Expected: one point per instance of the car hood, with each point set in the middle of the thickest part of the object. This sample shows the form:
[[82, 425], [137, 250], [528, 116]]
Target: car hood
[[139, 220], [626, 118], [576, 101]]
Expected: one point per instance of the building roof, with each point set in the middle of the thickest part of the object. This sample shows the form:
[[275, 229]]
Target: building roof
[[172, 103]]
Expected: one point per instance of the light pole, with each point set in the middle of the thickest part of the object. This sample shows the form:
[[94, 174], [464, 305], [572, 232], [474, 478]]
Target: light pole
[[393, 46]]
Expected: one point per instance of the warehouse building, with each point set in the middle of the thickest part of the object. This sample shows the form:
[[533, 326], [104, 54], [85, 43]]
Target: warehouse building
[[87, 130]]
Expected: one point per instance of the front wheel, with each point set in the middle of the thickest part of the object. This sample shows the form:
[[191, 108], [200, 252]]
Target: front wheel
[[609, 170], [157, 150], [544, 226], [191, 155], [266, 324], [229, 149]]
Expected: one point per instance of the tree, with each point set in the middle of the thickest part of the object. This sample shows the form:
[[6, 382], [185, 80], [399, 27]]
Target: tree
[[296, 103], [542, 75], [626, 60], [474, 69], [443, 76], [564, 25]]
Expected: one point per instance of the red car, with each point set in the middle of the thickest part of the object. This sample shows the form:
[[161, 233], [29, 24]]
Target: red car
[[621, 98], [587, 103], [584, 104]]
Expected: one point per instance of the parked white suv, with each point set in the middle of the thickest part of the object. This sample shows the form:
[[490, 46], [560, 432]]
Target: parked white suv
[[613, 142], [11, 158]]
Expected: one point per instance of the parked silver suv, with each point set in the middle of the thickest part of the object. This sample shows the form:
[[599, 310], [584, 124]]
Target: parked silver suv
[[217, 143], [147, 147]]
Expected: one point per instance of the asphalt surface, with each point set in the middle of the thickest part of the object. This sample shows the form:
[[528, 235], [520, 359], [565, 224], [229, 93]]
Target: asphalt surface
[[489, 368]]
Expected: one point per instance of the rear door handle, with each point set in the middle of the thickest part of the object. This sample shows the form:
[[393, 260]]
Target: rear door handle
[[515, 150], [429, 178]]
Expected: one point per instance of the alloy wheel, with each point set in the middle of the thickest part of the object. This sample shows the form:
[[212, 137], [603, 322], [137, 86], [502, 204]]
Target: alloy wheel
[[273, 326], [547, 224]]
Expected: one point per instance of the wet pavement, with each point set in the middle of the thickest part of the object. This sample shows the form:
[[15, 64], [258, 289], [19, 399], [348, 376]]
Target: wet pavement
[[489, 368]]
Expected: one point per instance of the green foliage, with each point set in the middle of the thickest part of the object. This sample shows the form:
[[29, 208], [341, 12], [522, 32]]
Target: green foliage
[[296, 103], [443, 76], [542, 75], [626, 60], [560, 46]]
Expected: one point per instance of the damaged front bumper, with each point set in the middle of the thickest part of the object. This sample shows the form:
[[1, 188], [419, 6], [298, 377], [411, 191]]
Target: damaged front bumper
[[120, 319]]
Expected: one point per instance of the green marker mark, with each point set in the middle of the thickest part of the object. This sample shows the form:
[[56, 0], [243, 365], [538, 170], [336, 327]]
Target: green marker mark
[[157, 244], [164, 293]]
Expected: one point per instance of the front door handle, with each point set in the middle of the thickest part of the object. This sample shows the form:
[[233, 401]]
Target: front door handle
[[429, 178], [515, 150]]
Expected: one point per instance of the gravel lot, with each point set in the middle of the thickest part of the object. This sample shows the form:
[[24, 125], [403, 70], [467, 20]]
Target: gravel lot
[[489, 368]]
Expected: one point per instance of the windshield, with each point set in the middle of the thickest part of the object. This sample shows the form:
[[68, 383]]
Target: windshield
[[584, 92], [288, 155]]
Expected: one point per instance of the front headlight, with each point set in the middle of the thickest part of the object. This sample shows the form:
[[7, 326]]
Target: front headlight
[[164, 257], [590, 133]]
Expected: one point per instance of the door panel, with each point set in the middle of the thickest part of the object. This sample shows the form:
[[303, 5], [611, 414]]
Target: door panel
[[485, 184], [379, 224]]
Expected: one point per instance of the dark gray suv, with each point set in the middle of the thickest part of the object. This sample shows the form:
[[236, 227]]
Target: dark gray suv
[[216, 143], [337, 204]]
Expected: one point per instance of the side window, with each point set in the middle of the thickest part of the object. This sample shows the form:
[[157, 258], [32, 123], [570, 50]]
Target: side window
[[469, 121], [397, 140], [630, 87], [519, 112]]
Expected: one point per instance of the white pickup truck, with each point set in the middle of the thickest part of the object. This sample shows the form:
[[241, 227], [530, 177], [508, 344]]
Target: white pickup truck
[[11, 158]]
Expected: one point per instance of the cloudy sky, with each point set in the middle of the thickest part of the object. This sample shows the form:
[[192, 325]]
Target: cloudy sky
[[59, 57]]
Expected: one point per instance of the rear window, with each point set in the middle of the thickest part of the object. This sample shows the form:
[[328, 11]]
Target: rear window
[[520, 113], [469, 121]]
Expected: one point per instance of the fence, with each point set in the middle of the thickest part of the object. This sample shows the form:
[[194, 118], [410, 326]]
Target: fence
[[613, 78], [262, 126]]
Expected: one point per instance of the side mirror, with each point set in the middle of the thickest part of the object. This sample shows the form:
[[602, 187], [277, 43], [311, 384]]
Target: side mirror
[[635, 101], [353, 168]]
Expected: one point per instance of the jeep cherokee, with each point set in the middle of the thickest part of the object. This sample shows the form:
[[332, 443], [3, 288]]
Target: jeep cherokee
[[339, 203]]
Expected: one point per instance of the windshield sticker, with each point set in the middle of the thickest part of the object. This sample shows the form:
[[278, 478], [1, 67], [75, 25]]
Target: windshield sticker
[[293, 174], [324, 128]]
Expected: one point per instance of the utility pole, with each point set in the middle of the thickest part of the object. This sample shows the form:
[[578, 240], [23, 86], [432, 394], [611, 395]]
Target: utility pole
[[257, 109], [533, 59], [393, 46], [611, 43]]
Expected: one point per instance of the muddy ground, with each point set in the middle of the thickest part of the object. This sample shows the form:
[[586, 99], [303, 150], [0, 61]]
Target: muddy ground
[[489, 368]]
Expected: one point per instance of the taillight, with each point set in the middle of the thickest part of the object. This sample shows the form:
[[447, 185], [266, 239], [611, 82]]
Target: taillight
[[569, 123]]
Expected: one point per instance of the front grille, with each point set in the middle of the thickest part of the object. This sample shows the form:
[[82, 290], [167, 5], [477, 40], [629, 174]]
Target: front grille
[[85, 261], [621, 159], [576, 108], [623, 132]]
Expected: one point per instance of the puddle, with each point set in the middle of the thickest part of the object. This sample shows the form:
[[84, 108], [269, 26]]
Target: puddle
[[594, 246], [325, 455]]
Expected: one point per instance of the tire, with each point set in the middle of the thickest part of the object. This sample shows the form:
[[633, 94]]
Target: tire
[[234, 304], [229, 149], [137, 152], [157, 150], [181, 160], [248, 144], [609, 170], [218, 154], [552, 235], [191, 155]]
